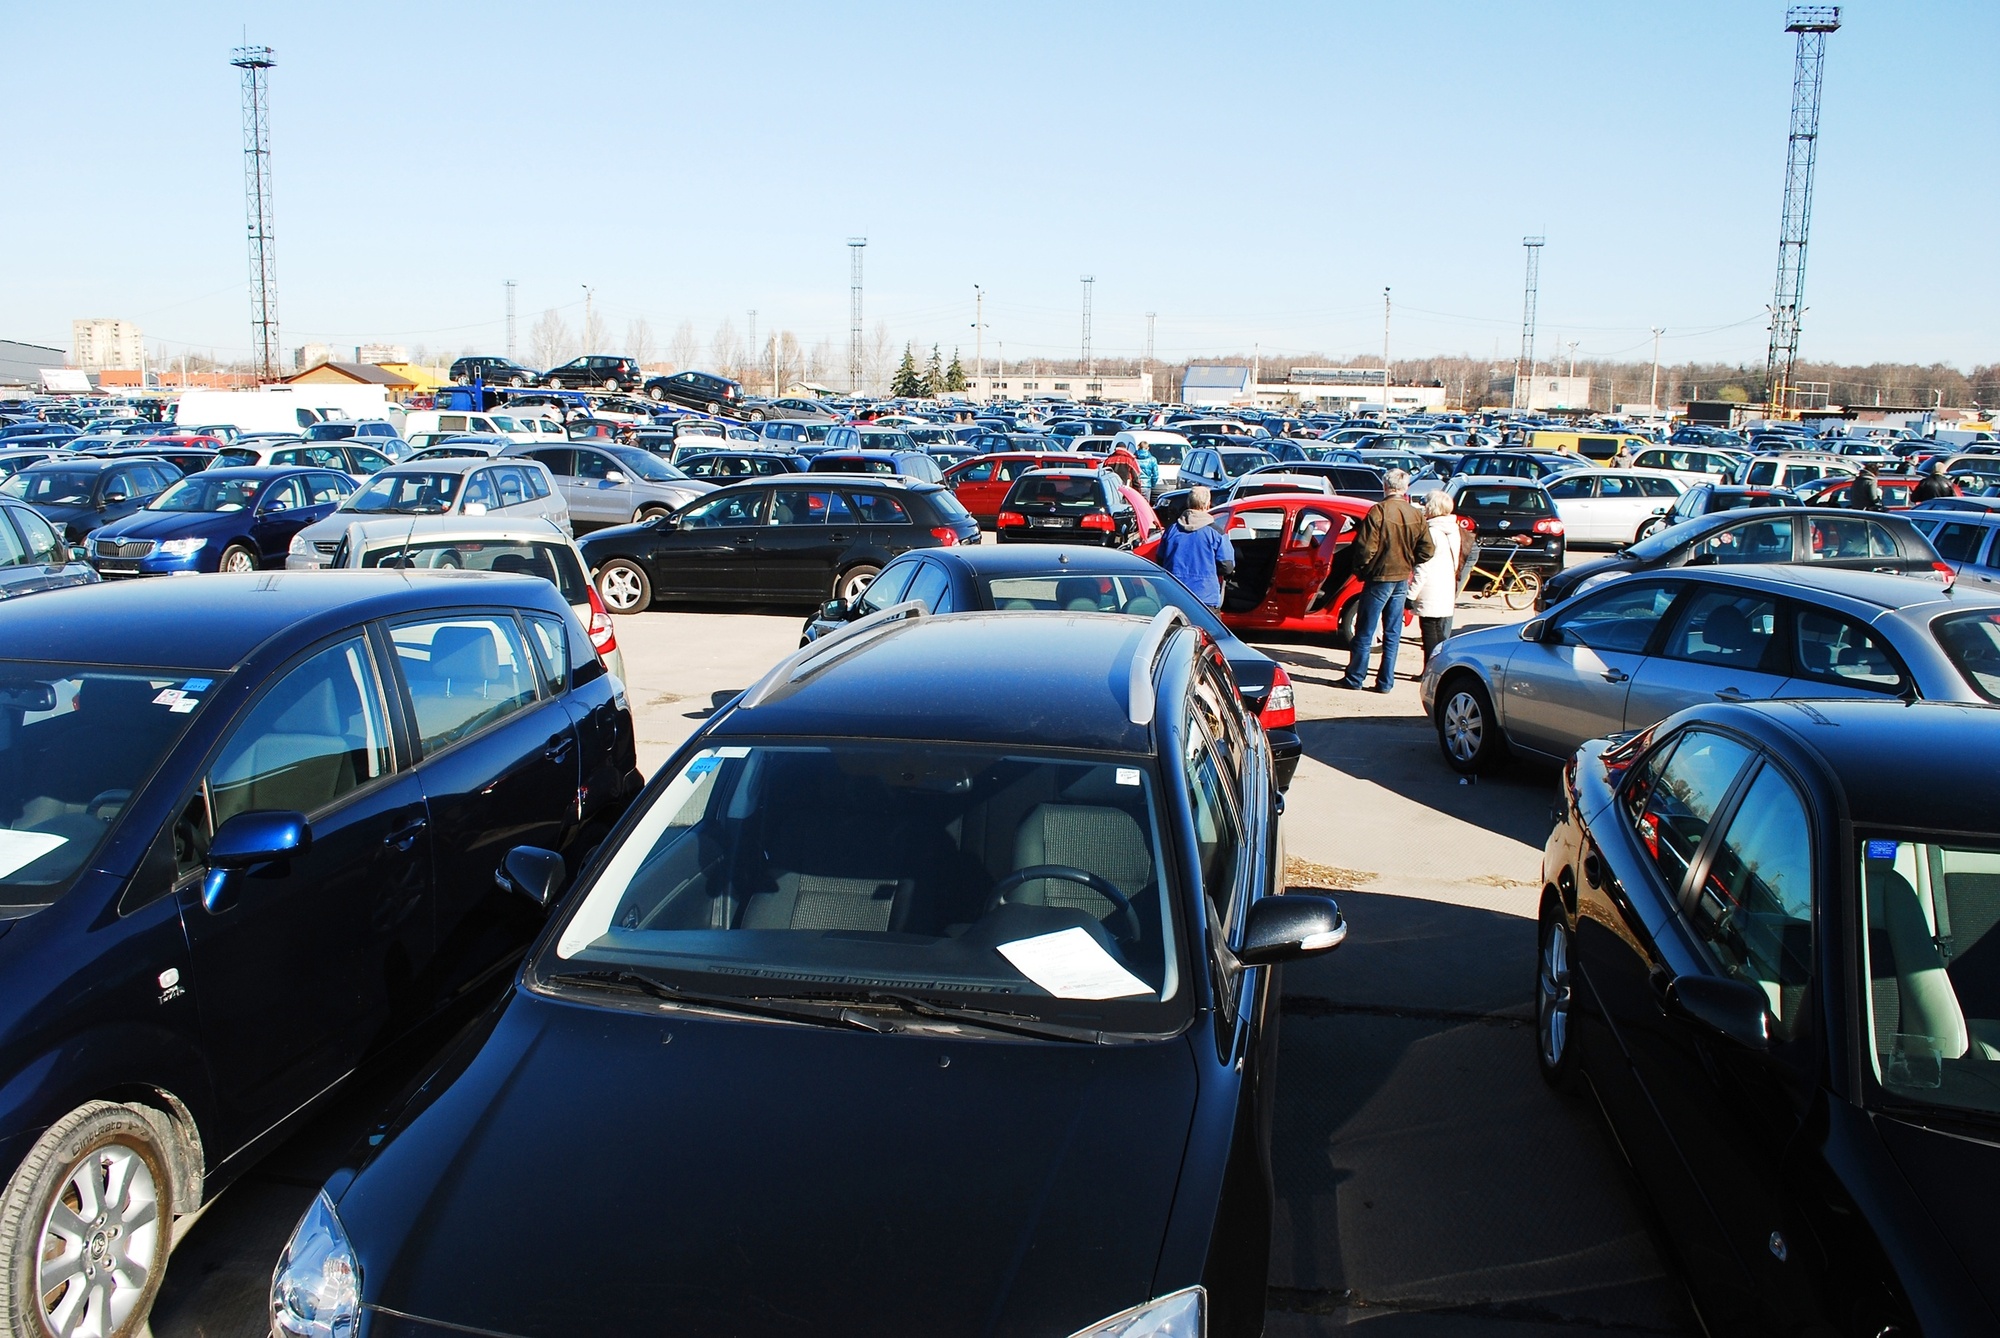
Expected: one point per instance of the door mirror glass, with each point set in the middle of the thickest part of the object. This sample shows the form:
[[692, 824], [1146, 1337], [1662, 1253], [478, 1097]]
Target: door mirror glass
[[535, 873], [475, 508], [245, 841], [1536, 630], [1731, 1009], [1289, 927], [834, 610], [614, 477]]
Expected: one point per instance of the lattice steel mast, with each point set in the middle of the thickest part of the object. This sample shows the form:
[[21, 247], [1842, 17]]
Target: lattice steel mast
[[255, 62], [855, 245], [1812, 23], [1526, 360], [1089, 281]]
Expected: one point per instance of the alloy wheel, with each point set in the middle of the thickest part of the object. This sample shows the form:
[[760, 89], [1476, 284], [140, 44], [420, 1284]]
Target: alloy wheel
[[1464, 726], [620, 588], [238, 561], [1552, 996], [98, 1243]]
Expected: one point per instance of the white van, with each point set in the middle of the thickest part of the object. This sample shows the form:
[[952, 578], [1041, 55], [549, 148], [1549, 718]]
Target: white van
[[283, 408], [434, 421], [1166, 448]]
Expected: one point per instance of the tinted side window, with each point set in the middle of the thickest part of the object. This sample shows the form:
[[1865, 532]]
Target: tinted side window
[[1959, 542], [1754, 910], [1673, 796], [317, 734], [1833, 649], [1721, 627], [930, 586], [550, 639], [464, 674], [1218, 840], [44, 545], [13, 552], [874, 508], [1752, 541], [886, 590], [559, 461], [728, 511], [1622, 619]]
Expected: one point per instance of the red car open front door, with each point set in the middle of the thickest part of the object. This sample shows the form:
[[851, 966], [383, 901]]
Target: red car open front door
[[1314, 535]]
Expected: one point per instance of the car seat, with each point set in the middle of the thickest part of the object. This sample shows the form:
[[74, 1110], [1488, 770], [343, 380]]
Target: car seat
[[1080, 594], [1910, 987], [830, 855], [1727, 631], [1098, 838], [302, 762]]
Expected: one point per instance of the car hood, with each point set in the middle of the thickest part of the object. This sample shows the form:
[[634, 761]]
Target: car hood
[[618, 1170], [167, 524], [1957, 1179], [1574, 576], [61, 514]]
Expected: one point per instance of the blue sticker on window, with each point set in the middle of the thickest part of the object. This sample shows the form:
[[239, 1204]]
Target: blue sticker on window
[[196, 685], [1883, 849], [701, 766]]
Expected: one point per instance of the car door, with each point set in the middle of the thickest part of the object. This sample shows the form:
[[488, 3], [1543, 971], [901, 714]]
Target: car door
[[882, 529], [604, 486], [309, 960], [1854, 542], [804, 533], [1724, 645], [705, 550], [560, 461], [1305, 578], [45, 562], [498, 768], [281, 513], [1576, 502], [1620, 506], [1572, 684]]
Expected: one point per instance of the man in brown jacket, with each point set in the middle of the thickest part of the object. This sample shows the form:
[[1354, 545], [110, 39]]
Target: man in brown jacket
[[1389, 543]]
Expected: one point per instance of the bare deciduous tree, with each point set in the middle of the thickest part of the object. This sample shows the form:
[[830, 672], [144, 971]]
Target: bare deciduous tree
[[639, 341], [550, 340], [684, 348], [725, 351]]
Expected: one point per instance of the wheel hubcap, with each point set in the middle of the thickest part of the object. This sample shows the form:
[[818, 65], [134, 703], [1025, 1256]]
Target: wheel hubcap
[[98, 1244], [1464, 726], [238, 562], [854, 587], [1552, 995], [621, 588]]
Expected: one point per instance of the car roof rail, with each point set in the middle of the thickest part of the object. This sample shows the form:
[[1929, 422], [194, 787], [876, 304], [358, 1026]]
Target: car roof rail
[[818, 654], [1139, 694]]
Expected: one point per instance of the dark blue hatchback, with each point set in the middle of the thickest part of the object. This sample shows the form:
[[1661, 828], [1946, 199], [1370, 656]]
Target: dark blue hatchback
[[234, 520], [249, 828]]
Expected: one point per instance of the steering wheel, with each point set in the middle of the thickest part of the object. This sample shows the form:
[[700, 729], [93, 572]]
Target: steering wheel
[[111, 799], [1067, 873]]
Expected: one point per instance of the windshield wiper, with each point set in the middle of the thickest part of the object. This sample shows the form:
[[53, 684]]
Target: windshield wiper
[[1019, 1024], [750, 1005]]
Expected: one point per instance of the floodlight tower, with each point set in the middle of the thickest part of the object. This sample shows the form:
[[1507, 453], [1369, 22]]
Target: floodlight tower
[[1812, 23], [854, 246], [256, 62], [1526, 360], [1089, 282], [510, 319]]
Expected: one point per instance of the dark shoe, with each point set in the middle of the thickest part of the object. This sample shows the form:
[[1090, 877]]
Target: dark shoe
[[1351, 687], [1381, 687]]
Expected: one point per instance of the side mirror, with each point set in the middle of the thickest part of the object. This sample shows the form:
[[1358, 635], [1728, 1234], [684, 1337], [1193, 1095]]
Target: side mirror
[[614, 477], [669, 521], [834, 610], [1289, 927], [475, 508], [244, 842], [535, 873], [1734, 1010], [78, 553], [115, 498], [1535, 630]]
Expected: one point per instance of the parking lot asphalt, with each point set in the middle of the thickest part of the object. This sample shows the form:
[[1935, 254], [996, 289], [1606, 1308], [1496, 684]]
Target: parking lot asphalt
[[1429, 1185]]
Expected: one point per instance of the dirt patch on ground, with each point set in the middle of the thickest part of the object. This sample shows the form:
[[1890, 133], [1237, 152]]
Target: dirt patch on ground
[[1307, 873], [668, 699], [1496, 880]]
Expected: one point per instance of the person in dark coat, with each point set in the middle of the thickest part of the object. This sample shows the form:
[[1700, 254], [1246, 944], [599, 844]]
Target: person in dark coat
[[1935, 484], [1865, 493], [1390, 543]]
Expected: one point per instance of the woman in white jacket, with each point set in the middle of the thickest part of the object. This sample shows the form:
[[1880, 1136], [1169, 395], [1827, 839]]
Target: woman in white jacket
[[1434, 588]]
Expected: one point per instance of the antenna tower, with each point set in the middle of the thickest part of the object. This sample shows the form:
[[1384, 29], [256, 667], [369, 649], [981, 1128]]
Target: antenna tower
[[1812, 23], [510, 318], [1147, 365], [1526, 359], [1089, 282], [256, 62], [854, 246]]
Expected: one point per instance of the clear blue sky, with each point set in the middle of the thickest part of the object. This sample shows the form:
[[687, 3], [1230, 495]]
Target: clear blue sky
[[1253, 173]]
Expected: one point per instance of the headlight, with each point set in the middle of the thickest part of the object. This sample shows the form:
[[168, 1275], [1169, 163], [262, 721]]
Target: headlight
[[1182, 1314], [316, 1291], [183, 547], [299, 545]]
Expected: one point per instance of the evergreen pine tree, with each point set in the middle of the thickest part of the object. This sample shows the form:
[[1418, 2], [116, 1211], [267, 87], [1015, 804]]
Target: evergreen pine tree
[[954, 375], [906, 384], [934, 373]]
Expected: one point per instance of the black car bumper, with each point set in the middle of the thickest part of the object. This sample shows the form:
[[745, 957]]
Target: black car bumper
[[1286, 749]]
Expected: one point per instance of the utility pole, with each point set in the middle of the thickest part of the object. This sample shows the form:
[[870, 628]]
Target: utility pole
[[1146, 364], [1526, 358], [587, 295], [1812, 23], [1653, 395], [1089, 281], [750, 341], [256, 63], [978, 333], [510, 318], [1572, 359], [854, 246], [1385, 350]]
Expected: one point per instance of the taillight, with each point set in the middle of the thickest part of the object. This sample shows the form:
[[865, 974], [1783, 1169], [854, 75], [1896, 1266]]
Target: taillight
[[1098, 520], [602, 637], [1548, 527], [1946, 570], [1007, 518], [1280, 707], [945, 536], [1465, 523]]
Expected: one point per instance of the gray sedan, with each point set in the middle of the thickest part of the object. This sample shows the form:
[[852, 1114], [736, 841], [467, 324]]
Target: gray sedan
[[1633, 651], [610, 484]]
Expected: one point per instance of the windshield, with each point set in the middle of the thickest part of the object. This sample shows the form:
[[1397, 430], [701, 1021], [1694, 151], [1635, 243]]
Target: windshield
[[553, 562], [1074, 492], [406, 494], [1071, 591], [1971, 641], [75, 742], [787, 870], [1242, 462], [645, 464], [197, 493], [1933, 981], [53, 487]]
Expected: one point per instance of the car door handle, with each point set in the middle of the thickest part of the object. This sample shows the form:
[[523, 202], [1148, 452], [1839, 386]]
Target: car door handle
[[839, 536], [405, 836], [1731, 695], [558, 749], [749, 538], [1615, 675]]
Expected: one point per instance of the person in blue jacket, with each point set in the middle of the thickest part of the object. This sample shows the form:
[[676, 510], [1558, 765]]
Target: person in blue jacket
[[1197, 552]]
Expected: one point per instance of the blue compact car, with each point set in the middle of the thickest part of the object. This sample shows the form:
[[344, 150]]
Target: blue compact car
[[233, 520], [249, 829]]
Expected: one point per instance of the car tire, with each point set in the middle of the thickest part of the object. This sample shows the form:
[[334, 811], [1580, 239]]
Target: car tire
[[852, 583], [658, 395], [1350, 621], [517, 381], [1651, 526], [237, 560], [1555, 1034], [623, 586], [555, 383], [714, 410], [647, 513], [1468, 734], [755, 415], [59, 1200], [611, 384]]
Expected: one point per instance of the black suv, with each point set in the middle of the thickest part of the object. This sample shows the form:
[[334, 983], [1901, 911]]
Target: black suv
[[594, 372], [790, 539], [704, 391], [493, 371], [1067, 506]]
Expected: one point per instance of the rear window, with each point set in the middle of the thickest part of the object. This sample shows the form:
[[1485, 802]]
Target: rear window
[[1492, 500], [555, 563], [1070, 492], [1971, 641]]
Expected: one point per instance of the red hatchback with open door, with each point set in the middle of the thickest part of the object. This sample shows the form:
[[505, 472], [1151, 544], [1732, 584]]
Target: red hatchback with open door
[[1294, 564]]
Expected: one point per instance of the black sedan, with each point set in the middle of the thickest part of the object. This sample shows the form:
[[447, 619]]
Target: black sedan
[[249, 828], [79, 494], [1768, 945], [1067, 506], [887, 1010], [1823, 536], [1051, 579], [793, 539]]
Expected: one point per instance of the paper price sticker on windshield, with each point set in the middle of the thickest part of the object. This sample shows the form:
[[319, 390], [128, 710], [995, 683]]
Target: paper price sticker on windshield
[[1070, 965], [169, 697]]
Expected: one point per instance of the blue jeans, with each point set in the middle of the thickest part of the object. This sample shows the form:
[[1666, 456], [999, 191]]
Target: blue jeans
[[1381, 606]]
